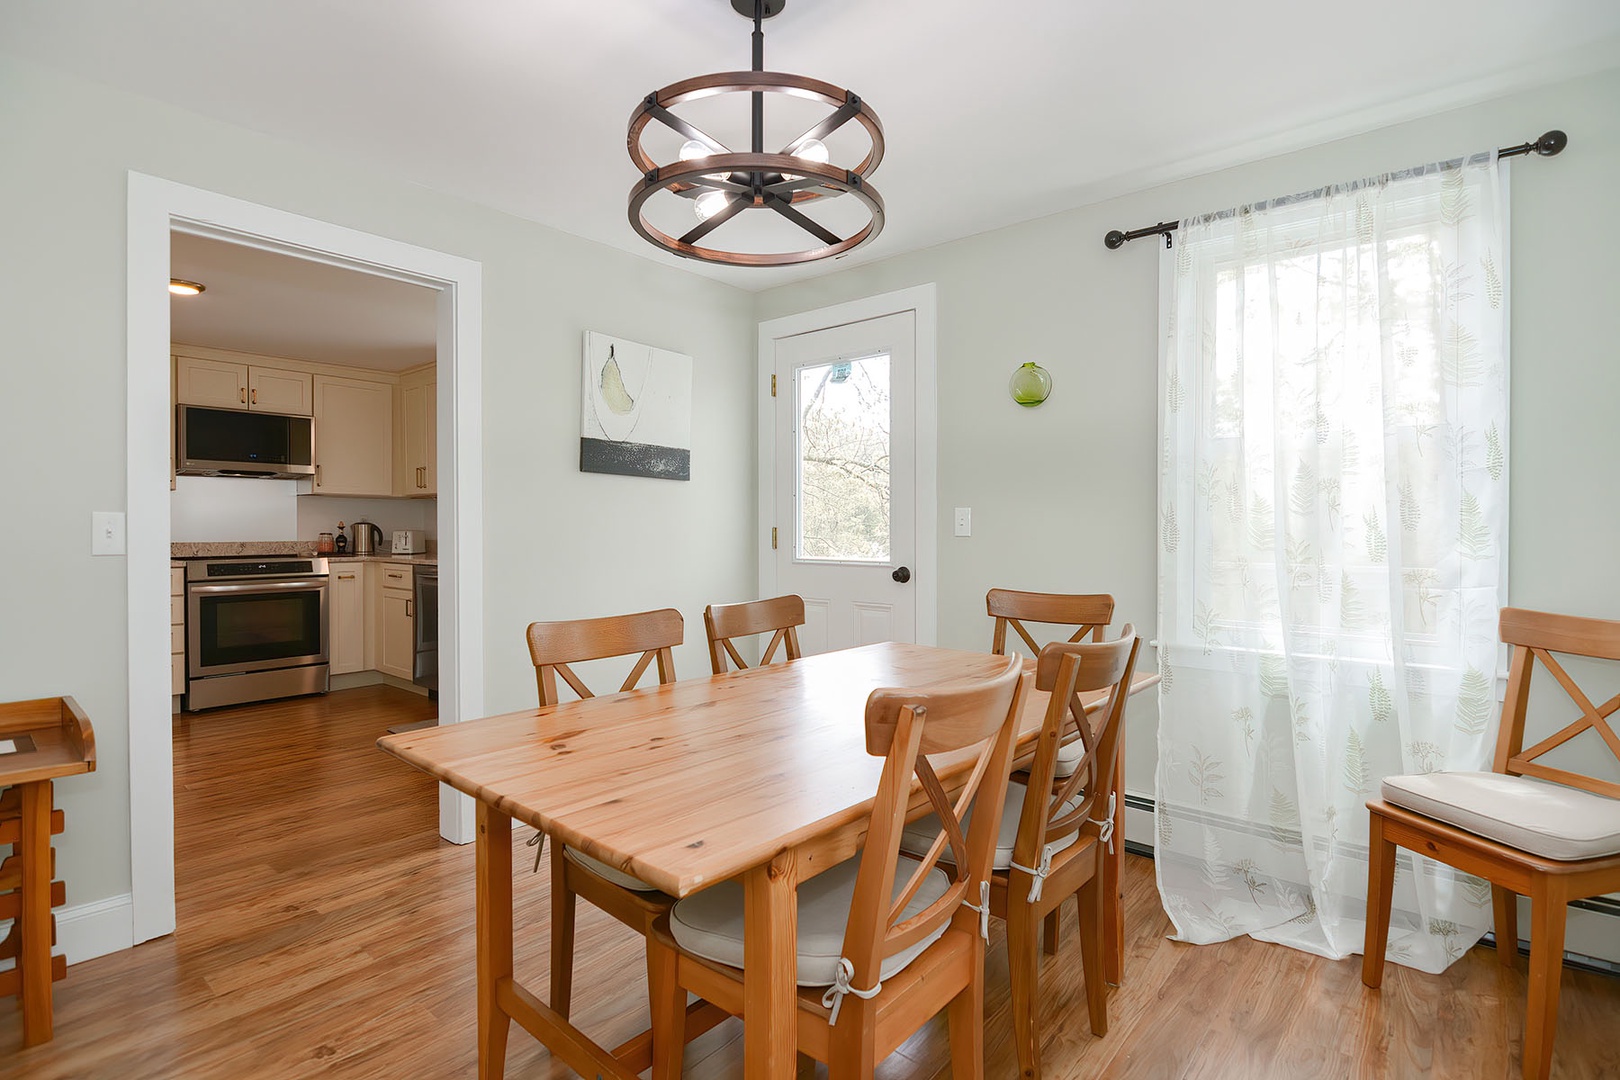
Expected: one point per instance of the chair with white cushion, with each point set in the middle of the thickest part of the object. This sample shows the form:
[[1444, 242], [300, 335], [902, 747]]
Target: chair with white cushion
[[1554, 842], [553, 646], [885, 941], [780, 616], [1053, 848]]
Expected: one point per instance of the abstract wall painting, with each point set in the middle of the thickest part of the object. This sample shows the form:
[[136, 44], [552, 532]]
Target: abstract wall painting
[[636, 410]]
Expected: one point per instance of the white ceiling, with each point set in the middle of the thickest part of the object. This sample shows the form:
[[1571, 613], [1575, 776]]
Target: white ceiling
[[994, 112], [278, 305]]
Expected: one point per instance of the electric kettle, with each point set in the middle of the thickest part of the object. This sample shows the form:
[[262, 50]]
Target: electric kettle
[[367, 538]]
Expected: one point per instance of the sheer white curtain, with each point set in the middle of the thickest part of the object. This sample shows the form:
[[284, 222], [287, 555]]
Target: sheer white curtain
[[1332, 549]]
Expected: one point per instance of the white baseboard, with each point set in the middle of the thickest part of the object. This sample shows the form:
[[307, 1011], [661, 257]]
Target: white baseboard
[[86, 931]]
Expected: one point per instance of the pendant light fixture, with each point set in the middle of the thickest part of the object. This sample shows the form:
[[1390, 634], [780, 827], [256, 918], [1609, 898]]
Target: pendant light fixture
[[721, 184]]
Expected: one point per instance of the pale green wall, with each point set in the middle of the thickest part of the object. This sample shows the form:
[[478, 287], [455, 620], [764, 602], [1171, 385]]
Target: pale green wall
[[1063, 496], [557, 543]]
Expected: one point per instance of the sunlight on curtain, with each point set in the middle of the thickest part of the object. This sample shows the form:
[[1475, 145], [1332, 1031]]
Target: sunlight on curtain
[[1332, 549]]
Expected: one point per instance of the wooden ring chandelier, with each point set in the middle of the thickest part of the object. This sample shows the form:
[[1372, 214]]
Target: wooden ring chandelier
[[730, 183]]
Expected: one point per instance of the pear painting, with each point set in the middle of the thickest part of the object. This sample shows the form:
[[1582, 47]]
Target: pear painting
[[636, 410]]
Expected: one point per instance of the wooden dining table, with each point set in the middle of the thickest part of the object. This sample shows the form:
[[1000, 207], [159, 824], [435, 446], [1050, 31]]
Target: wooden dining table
[[760, 775]]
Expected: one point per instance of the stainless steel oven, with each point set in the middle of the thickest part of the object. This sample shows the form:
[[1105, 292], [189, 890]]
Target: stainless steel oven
[[256, 628], [425, 670]]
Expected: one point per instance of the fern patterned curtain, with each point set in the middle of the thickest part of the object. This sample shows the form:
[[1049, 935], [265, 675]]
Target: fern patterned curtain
[[1333, 501]]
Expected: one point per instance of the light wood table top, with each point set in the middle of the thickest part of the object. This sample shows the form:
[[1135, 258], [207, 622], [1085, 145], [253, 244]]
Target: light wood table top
[[761, 775]]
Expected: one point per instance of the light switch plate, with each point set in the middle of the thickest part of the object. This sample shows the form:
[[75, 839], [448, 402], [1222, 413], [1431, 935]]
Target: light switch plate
[[107, 532], [964, 521]]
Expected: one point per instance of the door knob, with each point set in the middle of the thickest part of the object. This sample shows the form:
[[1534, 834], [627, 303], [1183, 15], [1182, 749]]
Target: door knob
[[902, 575]]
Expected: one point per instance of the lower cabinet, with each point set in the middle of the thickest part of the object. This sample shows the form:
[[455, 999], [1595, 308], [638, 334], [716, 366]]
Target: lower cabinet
[[396, 646], [347, 598], [177, 628]]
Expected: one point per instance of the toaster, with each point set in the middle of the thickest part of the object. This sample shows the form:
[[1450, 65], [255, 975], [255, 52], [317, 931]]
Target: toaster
[[409, 542]]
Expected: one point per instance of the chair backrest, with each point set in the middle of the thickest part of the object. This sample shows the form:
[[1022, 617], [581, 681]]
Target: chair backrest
[[1536, 635], [1066, 670], [906, 727], [553, 646], [780, 617], [1089, 613]]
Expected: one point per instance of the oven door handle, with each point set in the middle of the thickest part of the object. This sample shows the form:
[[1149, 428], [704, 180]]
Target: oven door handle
[[258, 587]]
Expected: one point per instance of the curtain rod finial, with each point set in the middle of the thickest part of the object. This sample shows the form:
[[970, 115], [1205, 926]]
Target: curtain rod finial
[[1553, 142], [1114, 240]]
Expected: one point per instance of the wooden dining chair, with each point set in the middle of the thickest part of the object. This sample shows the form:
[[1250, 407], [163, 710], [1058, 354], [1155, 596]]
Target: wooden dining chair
[[1553, 842], [1087, 614], [1053, 848], [885, 941], [554, 646], [780, 617]]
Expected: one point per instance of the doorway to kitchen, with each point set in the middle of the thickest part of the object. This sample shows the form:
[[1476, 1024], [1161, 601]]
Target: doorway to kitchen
[[157, 208]]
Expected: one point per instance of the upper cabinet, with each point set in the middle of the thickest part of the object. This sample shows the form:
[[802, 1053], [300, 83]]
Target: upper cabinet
[[416, 447], [220, 384], [354, 436]]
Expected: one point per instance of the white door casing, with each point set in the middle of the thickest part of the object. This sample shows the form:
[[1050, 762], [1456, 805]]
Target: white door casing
[[851, 597], [155, 208]]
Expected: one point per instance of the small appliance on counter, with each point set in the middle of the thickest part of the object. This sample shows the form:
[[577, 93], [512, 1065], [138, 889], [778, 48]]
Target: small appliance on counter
[[367, 538], [409, 542]]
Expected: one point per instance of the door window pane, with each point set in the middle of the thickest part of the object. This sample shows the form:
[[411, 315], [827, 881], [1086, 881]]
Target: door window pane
[[842, 409]]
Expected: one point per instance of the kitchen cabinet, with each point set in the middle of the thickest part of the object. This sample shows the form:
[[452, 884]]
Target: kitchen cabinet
[[354, 437], [417, 465], [177, 628], [347, 622], [396, 638], [220, 384]]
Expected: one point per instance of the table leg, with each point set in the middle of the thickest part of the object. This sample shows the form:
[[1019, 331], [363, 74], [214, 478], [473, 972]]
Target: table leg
[[770, 967], [1114, 882], [34, 957], [494, 937]]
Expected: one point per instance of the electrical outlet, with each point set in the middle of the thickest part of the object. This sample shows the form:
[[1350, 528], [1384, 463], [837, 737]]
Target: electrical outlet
[[106, 532], [964, 521]]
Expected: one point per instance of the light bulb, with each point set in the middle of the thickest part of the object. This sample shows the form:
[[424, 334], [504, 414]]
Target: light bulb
[[813, 150], [709, 204], [691, 148]]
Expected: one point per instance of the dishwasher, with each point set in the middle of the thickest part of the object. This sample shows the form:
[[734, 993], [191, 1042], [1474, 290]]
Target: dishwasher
[[425, 588]]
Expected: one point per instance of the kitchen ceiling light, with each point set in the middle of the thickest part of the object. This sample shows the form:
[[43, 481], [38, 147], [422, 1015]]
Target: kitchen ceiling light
[[722, 183], [185, 288]]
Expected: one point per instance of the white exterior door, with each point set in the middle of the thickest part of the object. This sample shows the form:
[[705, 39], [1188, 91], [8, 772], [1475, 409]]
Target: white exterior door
[[845, 480]]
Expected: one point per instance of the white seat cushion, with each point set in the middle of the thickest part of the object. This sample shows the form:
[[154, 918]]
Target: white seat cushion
[[1068, 758], [1549, 820], [613, 874], [710, 923], [921, 833]]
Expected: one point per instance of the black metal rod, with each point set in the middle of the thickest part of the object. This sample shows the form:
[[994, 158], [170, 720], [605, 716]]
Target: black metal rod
[[759, 65], [1549, 145]]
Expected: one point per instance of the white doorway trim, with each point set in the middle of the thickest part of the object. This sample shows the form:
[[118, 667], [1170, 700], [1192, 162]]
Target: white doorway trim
[[155, 208], [921, 299]]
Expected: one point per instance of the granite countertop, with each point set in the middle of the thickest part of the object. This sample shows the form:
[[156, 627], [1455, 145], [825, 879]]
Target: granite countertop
[[283, 547]]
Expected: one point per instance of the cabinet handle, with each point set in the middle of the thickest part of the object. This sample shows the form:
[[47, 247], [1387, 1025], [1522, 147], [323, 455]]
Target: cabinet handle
[[421, 476], [317, 476], [242, 395], [345, 577], [409, 614], [255, 397]]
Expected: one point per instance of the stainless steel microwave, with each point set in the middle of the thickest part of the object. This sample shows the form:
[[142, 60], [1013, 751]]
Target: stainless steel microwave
[[227, 442]]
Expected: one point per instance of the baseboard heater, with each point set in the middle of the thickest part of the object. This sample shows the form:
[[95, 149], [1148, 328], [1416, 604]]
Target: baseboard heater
[[1606, 908]]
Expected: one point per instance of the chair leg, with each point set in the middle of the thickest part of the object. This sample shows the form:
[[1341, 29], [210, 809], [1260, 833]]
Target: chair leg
[[1506, 903], [1049, 932], [1380, 897], [1023, 967], [668, 1011], [1092, 937], [562, 933], [1547, 913], [965, 1015]]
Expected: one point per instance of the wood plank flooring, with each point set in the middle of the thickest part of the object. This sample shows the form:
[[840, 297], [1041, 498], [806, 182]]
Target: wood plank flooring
[[325, 930]]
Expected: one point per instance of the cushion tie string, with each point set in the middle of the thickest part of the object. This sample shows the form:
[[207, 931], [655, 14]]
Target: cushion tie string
[[538, 842], [834, 997], [983, 908], [1039, 873], [1105, 827]]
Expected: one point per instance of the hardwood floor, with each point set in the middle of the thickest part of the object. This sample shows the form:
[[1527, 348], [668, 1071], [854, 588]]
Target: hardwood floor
[[325, 930]]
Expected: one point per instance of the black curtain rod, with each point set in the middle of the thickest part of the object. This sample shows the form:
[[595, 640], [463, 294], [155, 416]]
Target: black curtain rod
[[1553, 142]]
